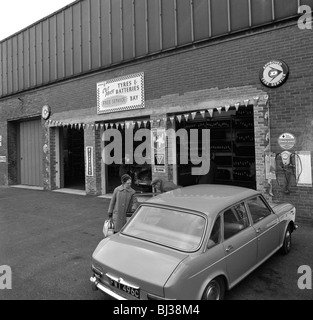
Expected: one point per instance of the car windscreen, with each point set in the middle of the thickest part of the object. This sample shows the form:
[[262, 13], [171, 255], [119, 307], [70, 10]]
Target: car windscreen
[[173, 228]]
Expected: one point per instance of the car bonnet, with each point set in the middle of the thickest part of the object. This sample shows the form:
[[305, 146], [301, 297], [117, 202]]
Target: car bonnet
[[281, 208]]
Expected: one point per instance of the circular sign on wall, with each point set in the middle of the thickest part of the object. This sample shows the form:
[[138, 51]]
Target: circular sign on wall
[[274, 73], [45, 148], [45, 112], [287, 141]]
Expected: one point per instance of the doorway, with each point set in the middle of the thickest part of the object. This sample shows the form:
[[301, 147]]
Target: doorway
[[140, 173], [72, 147], [30, 153], [232, 147]]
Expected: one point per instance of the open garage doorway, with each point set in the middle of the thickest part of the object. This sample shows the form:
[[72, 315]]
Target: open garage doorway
[[232, 147], [73, 163]]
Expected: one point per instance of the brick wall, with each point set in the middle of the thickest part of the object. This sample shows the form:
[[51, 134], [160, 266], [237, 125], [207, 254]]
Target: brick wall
[[219, 72]]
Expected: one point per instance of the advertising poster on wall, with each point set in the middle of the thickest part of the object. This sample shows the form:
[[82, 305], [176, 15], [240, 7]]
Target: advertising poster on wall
[[89, 161], [159, 150], [304, 169], [270, 167]]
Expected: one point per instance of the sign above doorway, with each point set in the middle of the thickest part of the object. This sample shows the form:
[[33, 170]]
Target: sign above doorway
[[124, 93]]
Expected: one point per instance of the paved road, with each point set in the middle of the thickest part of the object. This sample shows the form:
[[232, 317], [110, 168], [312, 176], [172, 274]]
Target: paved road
[[47, 239]]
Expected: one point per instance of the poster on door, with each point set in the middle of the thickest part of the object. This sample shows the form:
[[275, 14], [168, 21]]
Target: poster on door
[[159, 150]]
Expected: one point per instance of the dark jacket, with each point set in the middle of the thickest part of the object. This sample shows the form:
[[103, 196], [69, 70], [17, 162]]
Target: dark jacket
[[123, 201], [164, 184]]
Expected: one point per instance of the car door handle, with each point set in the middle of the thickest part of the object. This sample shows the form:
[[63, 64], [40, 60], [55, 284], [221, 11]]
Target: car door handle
[[229, 248], [259, 230]]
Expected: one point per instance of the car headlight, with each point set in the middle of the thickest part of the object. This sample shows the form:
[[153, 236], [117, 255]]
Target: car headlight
[[96, 271], [293, 211]]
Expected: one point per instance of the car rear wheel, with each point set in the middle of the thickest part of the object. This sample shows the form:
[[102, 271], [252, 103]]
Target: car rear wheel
[[287, 241], [215, 290]]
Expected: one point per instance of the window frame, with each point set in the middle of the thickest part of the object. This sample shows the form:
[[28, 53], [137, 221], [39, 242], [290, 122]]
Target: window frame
[[170, 208], [219, 216], [263, 200], [249, 222]]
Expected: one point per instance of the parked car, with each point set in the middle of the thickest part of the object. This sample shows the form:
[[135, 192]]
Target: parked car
[[192, 243]]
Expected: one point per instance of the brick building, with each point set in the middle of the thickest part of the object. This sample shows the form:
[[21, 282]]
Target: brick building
[[187, 65]]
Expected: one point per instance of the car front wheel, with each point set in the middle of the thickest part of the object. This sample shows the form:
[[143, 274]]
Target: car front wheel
[[287, 242], [215, 290]]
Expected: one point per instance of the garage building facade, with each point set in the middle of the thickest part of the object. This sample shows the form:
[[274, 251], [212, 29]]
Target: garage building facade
[[239, 68]]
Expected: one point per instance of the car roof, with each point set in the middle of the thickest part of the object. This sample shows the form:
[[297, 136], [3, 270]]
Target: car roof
[[206, 198]]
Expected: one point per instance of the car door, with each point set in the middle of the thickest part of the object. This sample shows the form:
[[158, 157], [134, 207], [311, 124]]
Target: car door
[[240, 243], [266, 225]]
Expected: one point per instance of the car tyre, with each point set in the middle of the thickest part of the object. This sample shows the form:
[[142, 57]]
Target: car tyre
[[287, 242], [215, 290]]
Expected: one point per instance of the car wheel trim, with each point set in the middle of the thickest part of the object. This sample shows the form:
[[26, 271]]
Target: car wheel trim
[[213, 291], [287, 242]]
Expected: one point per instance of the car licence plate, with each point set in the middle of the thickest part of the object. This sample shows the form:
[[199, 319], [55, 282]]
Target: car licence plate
[[127, 288]]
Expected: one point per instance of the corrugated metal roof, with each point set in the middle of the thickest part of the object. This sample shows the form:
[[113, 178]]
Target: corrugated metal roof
[[90, 35]]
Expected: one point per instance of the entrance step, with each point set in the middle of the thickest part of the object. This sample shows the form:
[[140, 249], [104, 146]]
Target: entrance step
[[71, 191]]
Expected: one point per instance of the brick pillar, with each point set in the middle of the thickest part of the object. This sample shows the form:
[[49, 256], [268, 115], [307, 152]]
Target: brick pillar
[[160, 122], [262, 146], [92, 140], [12, 157], [172, 150], [52, 158], [46, 156]]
